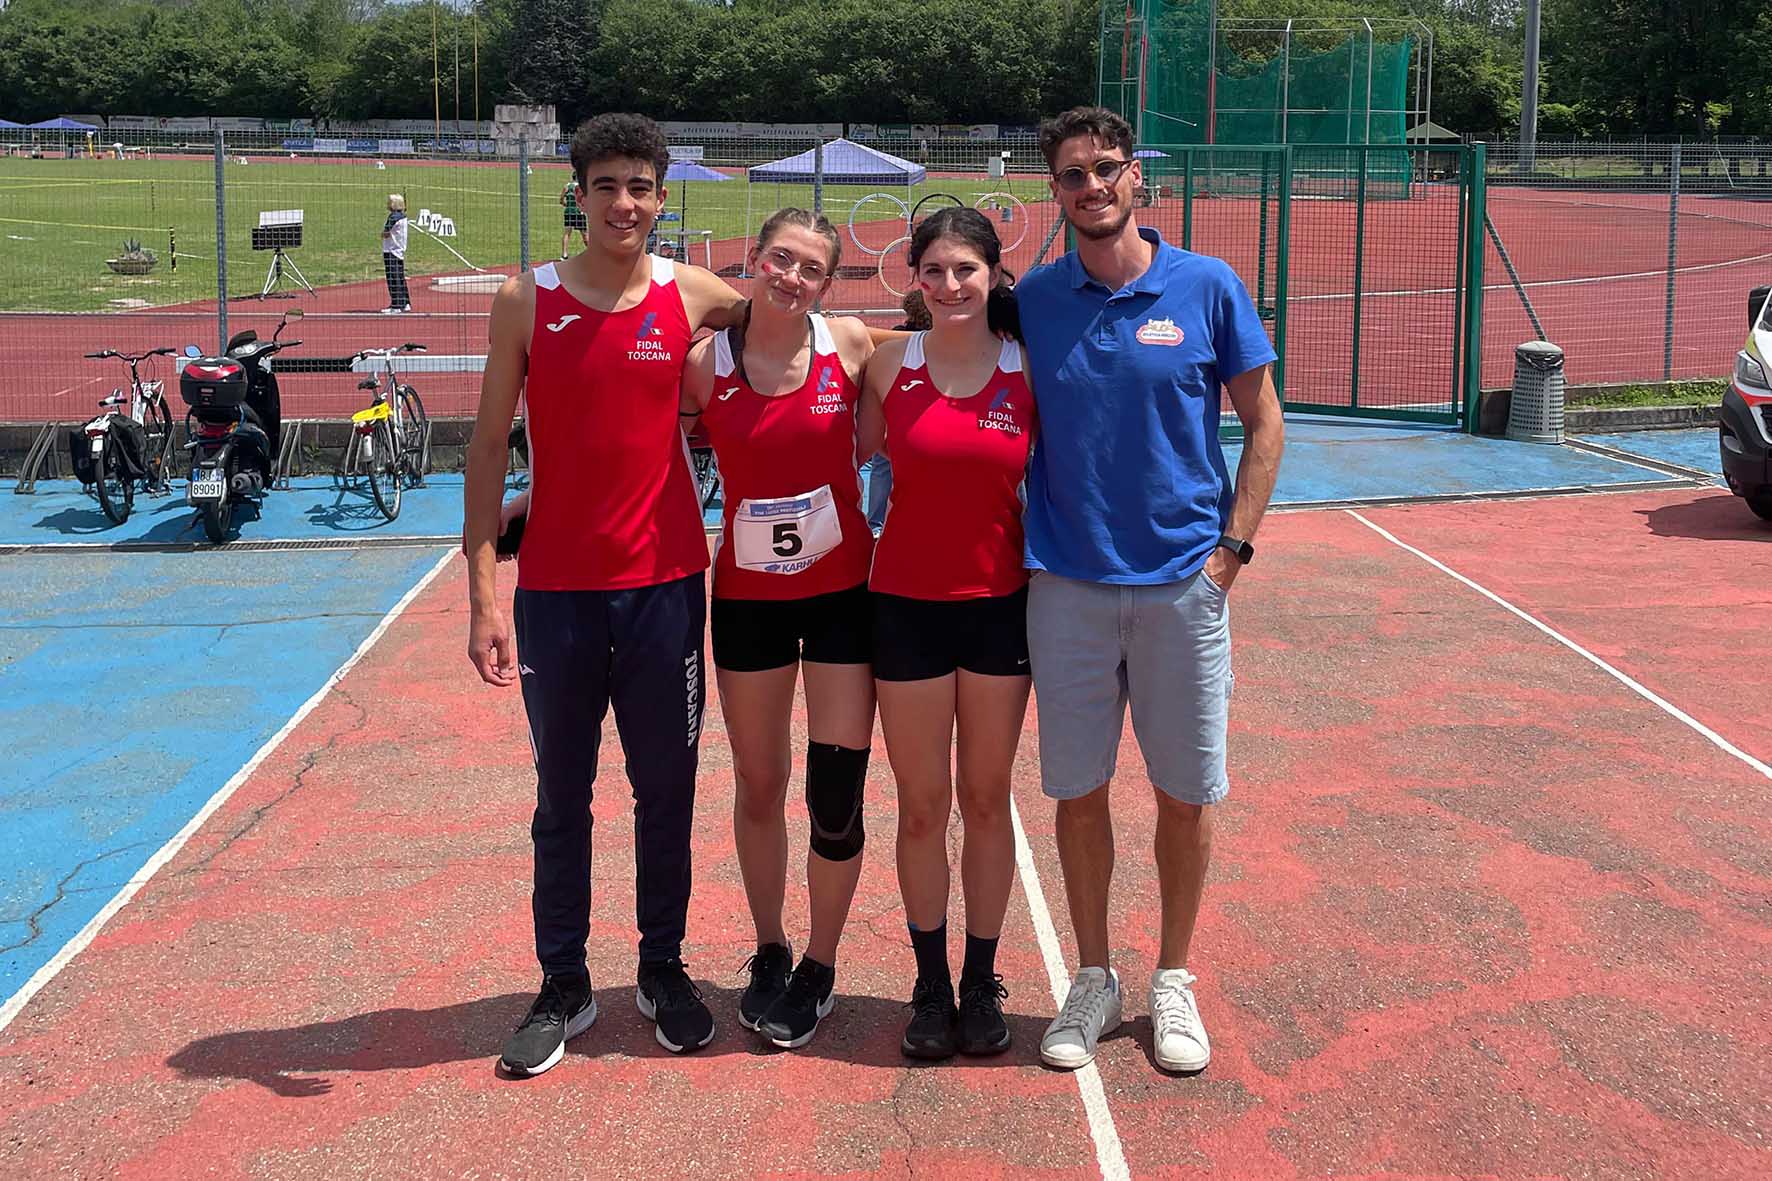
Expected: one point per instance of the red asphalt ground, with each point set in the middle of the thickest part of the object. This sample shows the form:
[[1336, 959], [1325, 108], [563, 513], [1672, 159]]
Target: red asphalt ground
[[1594, 266], [1476, 909]]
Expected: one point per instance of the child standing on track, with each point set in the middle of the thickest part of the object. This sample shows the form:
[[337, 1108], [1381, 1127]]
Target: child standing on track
[[777, 397], [950, 609]]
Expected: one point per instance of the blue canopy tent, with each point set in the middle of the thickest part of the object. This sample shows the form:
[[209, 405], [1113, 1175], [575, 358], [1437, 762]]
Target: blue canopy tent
[[845, 163], [679, 174], [64, 125], [9, 123]]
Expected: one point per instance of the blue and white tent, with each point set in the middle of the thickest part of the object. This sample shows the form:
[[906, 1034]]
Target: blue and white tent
[[844, 163]]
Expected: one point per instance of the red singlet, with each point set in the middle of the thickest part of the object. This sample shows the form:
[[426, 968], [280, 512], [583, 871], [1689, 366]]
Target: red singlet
[[613, 501], [953, 522], [793, 522]]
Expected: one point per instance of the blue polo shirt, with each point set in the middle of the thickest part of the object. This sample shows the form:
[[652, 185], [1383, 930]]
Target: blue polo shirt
[[1127, 482]]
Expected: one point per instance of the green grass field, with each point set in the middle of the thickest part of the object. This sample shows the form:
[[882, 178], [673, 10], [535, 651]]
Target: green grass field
[[61, 219]]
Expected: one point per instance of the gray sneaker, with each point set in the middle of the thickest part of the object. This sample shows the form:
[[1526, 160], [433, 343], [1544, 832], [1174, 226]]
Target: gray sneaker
[[1090, 1011]]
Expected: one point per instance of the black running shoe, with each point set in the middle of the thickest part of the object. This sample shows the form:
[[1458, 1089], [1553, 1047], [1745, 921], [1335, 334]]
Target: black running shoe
[[982, 1029], [667, 996], [564, 1009], [769, 969], [793, 1019], [931, 1031]]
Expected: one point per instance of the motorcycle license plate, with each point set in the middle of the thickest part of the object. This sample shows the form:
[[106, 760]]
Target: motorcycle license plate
[[206, 486], [98, 444]]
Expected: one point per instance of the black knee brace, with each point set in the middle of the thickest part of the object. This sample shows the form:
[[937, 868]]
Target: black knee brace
[[834, 777]]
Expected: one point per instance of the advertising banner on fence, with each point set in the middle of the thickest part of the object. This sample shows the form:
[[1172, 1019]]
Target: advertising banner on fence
[[676, 130]]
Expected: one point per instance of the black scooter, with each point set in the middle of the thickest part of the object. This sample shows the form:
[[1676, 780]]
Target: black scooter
[[234, 424]]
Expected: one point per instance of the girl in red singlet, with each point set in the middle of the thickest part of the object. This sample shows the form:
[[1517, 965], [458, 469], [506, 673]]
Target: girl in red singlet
[[950, 611], [777, 398]]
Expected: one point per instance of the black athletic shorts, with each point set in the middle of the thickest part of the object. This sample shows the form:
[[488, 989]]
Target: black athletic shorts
[[916, 639], [754, 635], [575, 220]]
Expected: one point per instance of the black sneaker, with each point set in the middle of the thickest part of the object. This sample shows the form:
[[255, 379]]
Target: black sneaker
[[667, 995], [564, 1009], [794, 1017], [769, 969], [931, 1031], [982, 1028]]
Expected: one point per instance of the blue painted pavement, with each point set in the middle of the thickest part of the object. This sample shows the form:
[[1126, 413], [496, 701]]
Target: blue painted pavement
[[315, 507], [1694, 448], [132, 686]]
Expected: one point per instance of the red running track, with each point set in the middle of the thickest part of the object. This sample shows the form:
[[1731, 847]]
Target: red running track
[[1476, 908]]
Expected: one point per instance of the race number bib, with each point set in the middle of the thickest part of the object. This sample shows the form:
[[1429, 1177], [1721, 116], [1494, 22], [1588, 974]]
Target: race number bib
[[787, 534]]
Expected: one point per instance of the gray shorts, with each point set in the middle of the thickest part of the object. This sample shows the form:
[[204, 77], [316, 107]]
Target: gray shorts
[[1166, 649]]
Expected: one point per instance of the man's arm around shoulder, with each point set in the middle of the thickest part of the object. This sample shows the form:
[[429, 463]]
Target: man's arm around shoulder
[[707, 299]]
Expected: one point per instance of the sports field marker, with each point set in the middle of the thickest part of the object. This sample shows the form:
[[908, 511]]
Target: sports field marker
[[17, 1001], [1647, 694], [1108, 1153]]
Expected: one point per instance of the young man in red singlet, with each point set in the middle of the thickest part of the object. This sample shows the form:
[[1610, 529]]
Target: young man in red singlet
[[950, 614], [610, 601]]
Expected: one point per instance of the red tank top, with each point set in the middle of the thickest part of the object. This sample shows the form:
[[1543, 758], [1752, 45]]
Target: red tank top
[[613, 501], [953, 521], [793, 524]]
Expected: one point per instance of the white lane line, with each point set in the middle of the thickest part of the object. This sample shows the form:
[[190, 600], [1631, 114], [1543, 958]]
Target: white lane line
[[1647, 694], [18, 1000], [1108, 1154]]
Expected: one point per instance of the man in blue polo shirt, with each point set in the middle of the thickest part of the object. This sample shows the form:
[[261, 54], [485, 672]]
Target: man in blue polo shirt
[[1136, 533]]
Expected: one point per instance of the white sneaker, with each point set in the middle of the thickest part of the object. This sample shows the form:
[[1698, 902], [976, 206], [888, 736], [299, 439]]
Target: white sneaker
[[1091, 1010], [1181, 1042]]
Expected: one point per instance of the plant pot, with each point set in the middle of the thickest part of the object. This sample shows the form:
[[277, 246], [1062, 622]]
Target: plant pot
[[131, 266]]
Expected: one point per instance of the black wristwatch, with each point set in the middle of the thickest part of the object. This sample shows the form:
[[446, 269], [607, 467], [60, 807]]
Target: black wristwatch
[[1244, 551]]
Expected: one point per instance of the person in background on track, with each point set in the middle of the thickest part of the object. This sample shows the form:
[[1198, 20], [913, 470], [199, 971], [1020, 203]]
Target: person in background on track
[[572, 219], [776, 396], [611, 599], [953, 410], [393, 255]]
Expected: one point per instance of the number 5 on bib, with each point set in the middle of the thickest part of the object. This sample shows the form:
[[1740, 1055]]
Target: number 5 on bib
[[787, 534]]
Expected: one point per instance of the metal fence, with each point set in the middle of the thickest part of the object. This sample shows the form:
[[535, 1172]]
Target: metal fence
[[1635, 258], [1632, 257], [72, 280]]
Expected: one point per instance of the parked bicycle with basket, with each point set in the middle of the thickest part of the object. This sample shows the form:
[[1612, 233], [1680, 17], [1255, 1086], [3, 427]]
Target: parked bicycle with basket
[[394, 435], [123, 448]]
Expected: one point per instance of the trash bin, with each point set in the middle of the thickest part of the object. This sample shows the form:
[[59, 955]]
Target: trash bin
[[1535, 412]]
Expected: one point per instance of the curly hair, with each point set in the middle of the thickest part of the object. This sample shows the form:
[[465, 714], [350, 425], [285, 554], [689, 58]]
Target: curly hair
[[1098, 123], [634, 136]]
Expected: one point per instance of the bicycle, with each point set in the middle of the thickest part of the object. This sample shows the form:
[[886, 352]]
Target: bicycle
[[395, 445], [127, 447]]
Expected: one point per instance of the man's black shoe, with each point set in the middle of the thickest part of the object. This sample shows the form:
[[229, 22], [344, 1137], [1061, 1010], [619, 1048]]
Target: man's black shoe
[[769, 969], [982, 1029], [931, 1031], [564, 1009], [667, 996], [793, 1019]]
